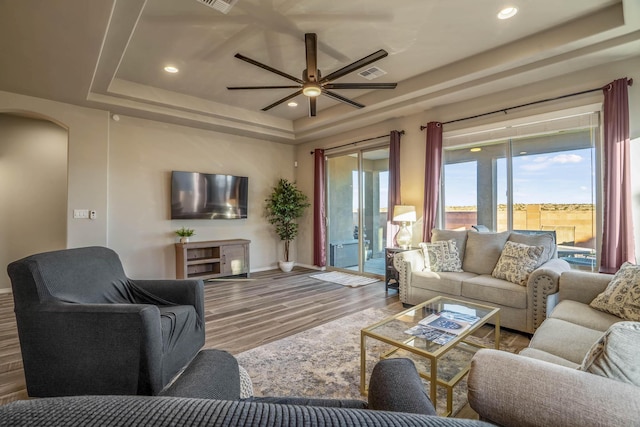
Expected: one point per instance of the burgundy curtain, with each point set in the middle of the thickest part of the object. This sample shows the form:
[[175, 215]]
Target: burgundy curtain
[[617, 236], [319, 211], [432, 167], [394, 185]]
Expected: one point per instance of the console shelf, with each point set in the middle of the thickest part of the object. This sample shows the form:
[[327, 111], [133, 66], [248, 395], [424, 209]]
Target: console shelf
[[212, 259]]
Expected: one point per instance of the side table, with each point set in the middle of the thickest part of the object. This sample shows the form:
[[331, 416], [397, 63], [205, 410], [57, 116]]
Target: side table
[[391, 276]]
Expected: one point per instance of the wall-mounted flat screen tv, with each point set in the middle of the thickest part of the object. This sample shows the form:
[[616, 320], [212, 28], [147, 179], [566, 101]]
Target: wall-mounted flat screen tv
[[208, 196]]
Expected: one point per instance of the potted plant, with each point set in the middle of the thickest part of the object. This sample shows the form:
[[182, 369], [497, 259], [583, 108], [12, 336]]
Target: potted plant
[[185, 233], [283, 208]]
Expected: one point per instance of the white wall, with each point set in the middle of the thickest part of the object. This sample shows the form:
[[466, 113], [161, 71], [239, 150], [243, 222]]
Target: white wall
[[121, 170], [412, 152], [87, 161], [33, 189], [143, 153]]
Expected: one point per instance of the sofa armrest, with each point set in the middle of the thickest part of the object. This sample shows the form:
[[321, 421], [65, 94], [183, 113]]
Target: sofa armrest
[[513, 390], [582, 286], [182, 292], [542, 282], [396, 386], [407, 262]]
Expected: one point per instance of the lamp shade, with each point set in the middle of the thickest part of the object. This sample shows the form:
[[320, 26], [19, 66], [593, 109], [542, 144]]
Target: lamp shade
[[404, 213]]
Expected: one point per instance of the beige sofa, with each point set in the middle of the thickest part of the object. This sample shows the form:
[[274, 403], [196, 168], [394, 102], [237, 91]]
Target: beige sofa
[[545, 388], [522, 308]]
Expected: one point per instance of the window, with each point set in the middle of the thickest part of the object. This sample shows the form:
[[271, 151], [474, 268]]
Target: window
[[538, 177]]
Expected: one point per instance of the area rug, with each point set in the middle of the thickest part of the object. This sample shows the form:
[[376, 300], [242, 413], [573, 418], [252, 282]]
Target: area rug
[[344, 279], [325, 361]]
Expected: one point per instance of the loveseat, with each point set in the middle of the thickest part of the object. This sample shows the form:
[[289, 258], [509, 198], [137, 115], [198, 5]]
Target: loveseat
[[513, 271], [208, 393], [580, 369]]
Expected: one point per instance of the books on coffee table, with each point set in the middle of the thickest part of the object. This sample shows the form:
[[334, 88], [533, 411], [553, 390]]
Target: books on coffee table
[[442, 327], [449, 321]]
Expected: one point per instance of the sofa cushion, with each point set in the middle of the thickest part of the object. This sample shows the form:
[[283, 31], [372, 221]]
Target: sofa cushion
[[581, 314], [445, 282], [564, 339], [495, 291], [516, 262], [616, 355], [459, 236], [483, 251], [441, 256], [622, 295], [534, 353], [546, 240]]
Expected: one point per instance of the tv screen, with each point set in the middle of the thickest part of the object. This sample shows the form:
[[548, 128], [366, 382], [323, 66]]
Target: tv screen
[[208, 196]]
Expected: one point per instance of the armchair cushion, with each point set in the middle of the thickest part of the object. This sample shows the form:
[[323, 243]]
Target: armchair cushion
[[622, 296]]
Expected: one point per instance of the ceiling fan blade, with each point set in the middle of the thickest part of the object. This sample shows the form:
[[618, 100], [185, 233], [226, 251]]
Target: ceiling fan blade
[[360, 85], [280, 101], [355, 65], [312, 106], [311, 49], [268, 68], [261, 87], [342, 99]]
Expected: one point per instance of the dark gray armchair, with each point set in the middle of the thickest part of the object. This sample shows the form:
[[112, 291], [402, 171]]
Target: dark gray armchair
[[85, 328]]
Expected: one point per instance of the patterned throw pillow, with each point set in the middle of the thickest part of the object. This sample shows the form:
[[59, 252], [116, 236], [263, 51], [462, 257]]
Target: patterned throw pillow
[[616, 355], [622, 296], [441, 256], [516, 261]]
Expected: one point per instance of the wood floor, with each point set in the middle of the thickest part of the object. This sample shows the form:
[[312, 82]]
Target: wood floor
[[240, 315]]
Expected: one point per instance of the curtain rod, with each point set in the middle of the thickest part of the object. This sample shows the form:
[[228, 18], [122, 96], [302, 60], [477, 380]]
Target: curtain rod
[[357, 142], [504, 110]]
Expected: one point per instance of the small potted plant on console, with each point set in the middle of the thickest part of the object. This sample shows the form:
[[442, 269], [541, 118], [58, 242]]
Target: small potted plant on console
[[184, 234], [283, 208]]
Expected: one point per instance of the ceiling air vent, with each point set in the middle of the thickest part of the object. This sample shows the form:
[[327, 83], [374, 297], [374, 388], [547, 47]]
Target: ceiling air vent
[[223, 6], [372, 73]]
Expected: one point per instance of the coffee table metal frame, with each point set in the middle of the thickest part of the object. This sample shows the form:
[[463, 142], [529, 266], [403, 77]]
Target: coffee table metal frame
[[436, 351]]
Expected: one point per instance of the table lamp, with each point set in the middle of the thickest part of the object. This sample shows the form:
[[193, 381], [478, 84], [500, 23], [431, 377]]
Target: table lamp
[[404, 214]]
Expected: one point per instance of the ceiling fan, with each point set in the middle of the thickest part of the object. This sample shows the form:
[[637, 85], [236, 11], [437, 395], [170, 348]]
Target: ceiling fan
[[312, 83]]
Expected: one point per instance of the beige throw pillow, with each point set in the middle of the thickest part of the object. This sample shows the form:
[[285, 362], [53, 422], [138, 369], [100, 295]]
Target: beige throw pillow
[[622, 296], [616, 354], [441, 256], [516, 262]]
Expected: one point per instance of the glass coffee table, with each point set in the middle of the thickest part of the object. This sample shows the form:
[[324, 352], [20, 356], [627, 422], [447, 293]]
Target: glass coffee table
[[450, 360]]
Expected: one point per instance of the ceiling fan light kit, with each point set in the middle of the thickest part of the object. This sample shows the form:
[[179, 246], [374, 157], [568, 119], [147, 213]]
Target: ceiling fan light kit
[[312, 84]]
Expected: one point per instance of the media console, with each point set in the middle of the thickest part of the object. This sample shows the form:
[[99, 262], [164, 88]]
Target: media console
[[212, 259]]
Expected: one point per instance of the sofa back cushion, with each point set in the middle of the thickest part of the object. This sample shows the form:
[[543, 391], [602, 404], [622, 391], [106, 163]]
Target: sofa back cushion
[[458, 236], [482, 251], [546, 240], [616, 355]]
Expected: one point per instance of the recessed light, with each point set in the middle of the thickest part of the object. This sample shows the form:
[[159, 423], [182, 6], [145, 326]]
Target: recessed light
[[507, 12], [475, 149], [171, 69], [292, 104], [522, 153]]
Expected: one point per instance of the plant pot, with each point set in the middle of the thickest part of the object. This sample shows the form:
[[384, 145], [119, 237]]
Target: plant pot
[[285, 266], [184, 239]]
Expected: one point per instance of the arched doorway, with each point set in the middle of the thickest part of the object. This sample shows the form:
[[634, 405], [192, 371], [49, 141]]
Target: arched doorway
[[33, 188]]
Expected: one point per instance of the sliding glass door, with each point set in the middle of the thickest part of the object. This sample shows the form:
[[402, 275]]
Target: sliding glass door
[[357, 210]]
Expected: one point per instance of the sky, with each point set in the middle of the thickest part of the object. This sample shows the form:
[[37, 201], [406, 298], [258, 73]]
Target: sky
[[562, 178]]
